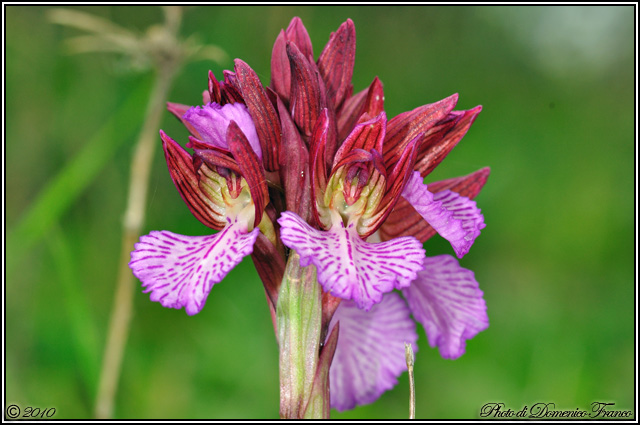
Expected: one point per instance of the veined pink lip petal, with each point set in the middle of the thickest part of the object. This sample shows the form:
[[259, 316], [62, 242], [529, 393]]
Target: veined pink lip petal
[[179, 271], [349, 267]]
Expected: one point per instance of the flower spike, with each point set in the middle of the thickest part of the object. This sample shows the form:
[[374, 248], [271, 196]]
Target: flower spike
[[304, 173]]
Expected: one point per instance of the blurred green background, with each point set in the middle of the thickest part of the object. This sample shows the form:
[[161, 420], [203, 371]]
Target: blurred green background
[[556, 260]]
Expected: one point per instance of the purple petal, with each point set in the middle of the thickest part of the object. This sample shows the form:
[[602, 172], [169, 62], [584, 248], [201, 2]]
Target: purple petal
[[211, 122], [370, 353], [446, 300], [405, 221], [456, 218], [179, 271], [349, 267]]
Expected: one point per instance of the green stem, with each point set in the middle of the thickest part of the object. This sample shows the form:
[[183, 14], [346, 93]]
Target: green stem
[[299, 319]]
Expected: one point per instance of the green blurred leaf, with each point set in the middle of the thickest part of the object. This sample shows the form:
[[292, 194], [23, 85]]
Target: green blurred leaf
[[81, 320], [63, 190]]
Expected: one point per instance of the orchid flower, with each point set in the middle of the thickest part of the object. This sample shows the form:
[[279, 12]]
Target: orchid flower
[[327, 196], [371, 181], [223, 184]]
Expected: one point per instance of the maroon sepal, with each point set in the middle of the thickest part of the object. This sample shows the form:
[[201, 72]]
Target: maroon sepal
[[333, 143], [270, 266], [374, 103], [318, 165], [229, 90], [280, 68], [349, 112], [195, 143], [369, 101], [361, 156], [469, 185], [396, 182], [362, 164], [250, 168], [216, 160], [297, 33], [214, 89], [442, 138], [294, 166], [405, 221], [262, 112], [186, 180], [273, 97], [330, 304], [222, 164], [405, 127], [305, 101], [336, 62], [367, 135]]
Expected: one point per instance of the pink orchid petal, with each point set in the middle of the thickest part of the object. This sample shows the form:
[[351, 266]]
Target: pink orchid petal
[[211, 122], [447, 301], [455, 217], [179, 271], [370, 353], [349, 267]]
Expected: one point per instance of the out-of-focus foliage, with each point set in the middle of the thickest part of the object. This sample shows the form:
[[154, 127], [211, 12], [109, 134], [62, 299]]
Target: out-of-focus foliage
[[556, 260]]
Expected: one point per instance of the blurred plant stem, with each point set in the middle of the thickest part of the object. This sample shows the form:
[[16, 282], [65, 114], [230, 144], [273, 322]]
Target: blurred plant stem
[[159, 49], [132, 226], [167, 65]]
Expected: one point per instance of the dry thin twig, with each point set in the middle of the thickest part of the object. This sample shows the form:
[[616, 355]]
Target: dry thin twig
[[158, 48], [134, 219], [408, 354]]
